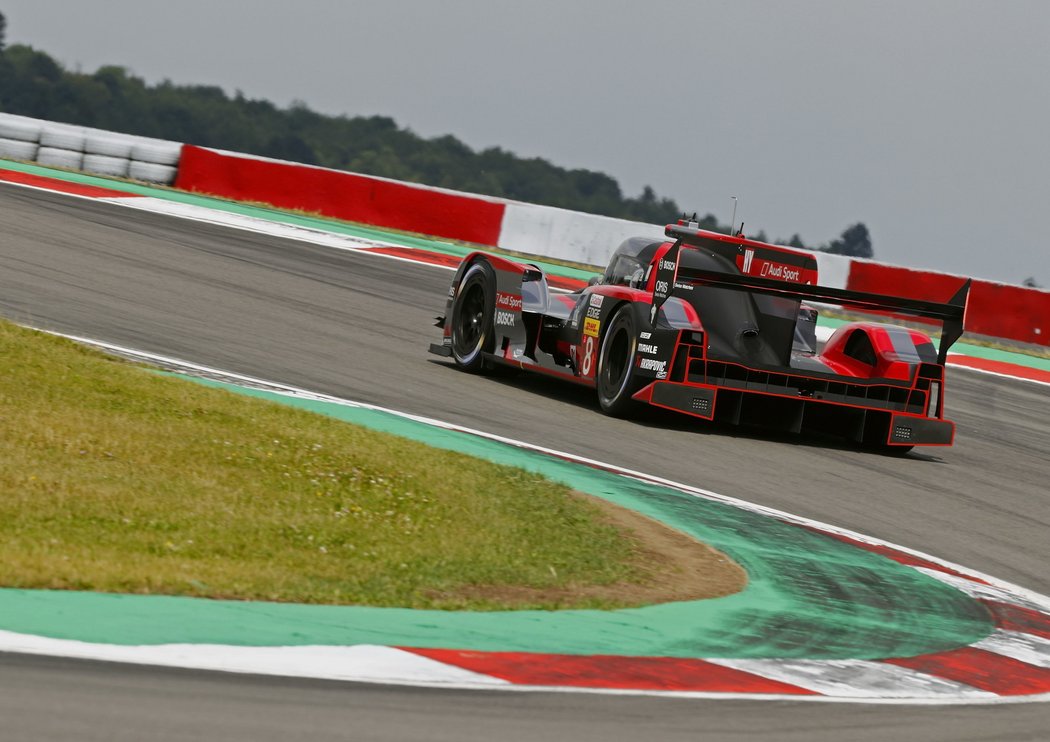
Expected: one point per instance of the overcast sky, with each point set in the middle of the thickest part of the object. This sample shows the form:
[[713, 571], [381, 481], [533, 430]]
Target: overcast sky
[[928, 120]]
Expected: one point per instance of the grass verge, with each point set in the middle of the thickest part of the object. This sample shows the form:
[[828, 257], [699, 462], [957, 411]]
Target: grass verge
[[117, 479]]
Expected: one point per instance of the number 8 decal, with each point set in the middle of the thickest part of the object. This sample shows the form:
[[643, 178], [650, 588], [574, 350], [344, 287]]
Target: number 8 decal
[[588, 355]]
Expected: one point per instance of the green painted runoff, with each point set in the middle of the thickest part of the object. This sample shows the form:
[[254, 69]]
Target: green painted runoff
[[808, 595]]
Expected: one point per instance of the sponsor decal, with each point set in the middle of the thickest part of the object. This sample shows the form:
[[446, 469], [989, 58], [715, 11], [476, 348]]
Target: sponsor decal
[[591, 327], [588, 356], [752, 266], [781, 271], [648, 348], [645, 335], [667, 265], [505, 319], [594, 312], [662, 287], [596, 300], [651, 364], [510, 302], [446, 340]]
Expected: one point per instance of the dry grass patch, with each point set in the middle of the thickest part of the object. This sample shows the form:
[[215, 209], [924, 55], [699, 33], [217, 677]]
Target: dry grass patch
[[117, 479]]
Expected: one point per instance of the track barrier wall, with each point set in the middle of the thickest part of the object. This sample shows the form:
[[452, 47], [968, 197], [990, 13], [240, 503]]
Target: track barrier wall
[[996, 310], [339, 194], [95, 151]]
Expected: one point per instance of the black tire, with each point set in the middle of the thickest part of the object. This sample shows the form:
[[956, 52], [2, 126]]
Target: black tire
[[616, 380], [472, 317]]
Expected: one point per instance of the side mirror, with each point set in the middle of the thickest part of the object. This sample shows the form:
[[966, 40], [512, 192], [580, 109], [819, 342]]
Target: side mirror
[[594, 280]]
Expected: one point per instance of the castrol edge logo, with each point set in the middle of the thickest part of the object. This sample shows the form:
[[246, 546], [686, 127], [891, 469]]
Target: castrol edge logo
[[769, 269]]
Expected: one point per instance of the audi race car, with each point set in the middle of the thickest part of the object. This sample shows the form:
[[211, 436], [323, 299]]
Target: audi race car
[[713, 326]]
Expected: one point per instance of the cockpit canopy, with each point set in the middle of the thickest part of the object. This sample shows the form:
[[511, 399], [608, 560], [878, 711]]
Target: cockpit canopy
[[628, 264]]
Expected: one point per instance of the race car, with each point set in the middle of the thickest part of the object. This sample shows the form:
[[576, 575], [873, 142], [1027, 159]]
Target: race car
[[719, 327]]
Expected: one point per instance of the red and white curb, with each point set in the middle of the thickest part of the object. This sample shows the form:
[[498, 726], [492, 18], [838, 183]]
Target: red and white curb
[[1010, 665]]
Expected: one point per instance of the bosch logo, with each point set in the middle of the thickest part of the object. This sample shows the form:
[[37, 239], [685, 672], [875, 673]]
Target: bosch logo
[[667, 265]]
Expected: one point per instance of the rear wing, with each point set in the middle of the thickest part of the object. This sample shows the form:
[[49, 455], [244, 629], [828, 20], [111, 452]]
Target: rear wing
[[669, 276]]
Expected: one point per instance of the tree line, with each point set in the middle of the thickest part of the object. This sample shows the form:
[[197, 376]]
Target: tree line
[[32, 83]]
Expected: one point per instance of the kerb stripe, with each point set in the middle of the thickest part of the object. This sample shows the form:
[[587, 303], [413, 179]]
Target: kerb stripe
[[988, 671], [609, 671]]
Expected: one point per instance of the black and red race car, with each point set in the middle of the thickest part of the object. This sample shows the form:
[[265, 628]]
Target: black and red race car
[[713, 326]]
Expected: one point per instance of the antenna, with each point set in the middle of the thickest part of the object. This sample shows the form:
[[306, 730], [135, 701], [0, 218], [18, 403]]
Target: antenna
[[732, 219]]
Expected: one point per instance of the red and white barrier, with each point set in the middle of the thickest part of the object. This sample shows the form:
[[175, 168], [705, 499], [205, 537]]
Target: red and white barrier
[[358, 198], [996, 310]]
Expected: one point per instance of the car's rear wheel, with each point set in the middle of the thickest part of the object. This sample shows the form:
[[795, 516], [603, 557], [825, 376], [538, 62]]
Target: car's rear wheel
[[616, 377], [472, 317]]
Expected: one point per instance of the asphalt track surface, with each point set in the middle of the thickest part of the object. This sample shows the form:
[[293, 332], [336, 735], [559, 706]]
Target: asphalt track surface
[[357, 326]]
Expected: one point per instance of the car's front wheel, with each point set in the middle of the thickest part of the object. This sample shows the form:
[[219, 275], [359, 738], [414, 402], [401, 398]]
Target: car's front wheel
[[472, 317], [616, 377]]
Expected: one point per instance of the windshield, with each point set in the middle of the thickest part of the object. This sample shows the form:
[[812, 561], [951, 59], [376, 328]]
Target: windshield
[[627, 265], [624, 270]]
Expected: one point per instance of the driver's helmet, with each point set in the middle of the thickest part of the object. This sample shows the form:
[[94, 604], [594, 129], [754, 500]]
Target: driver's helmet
[[628, 264]]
